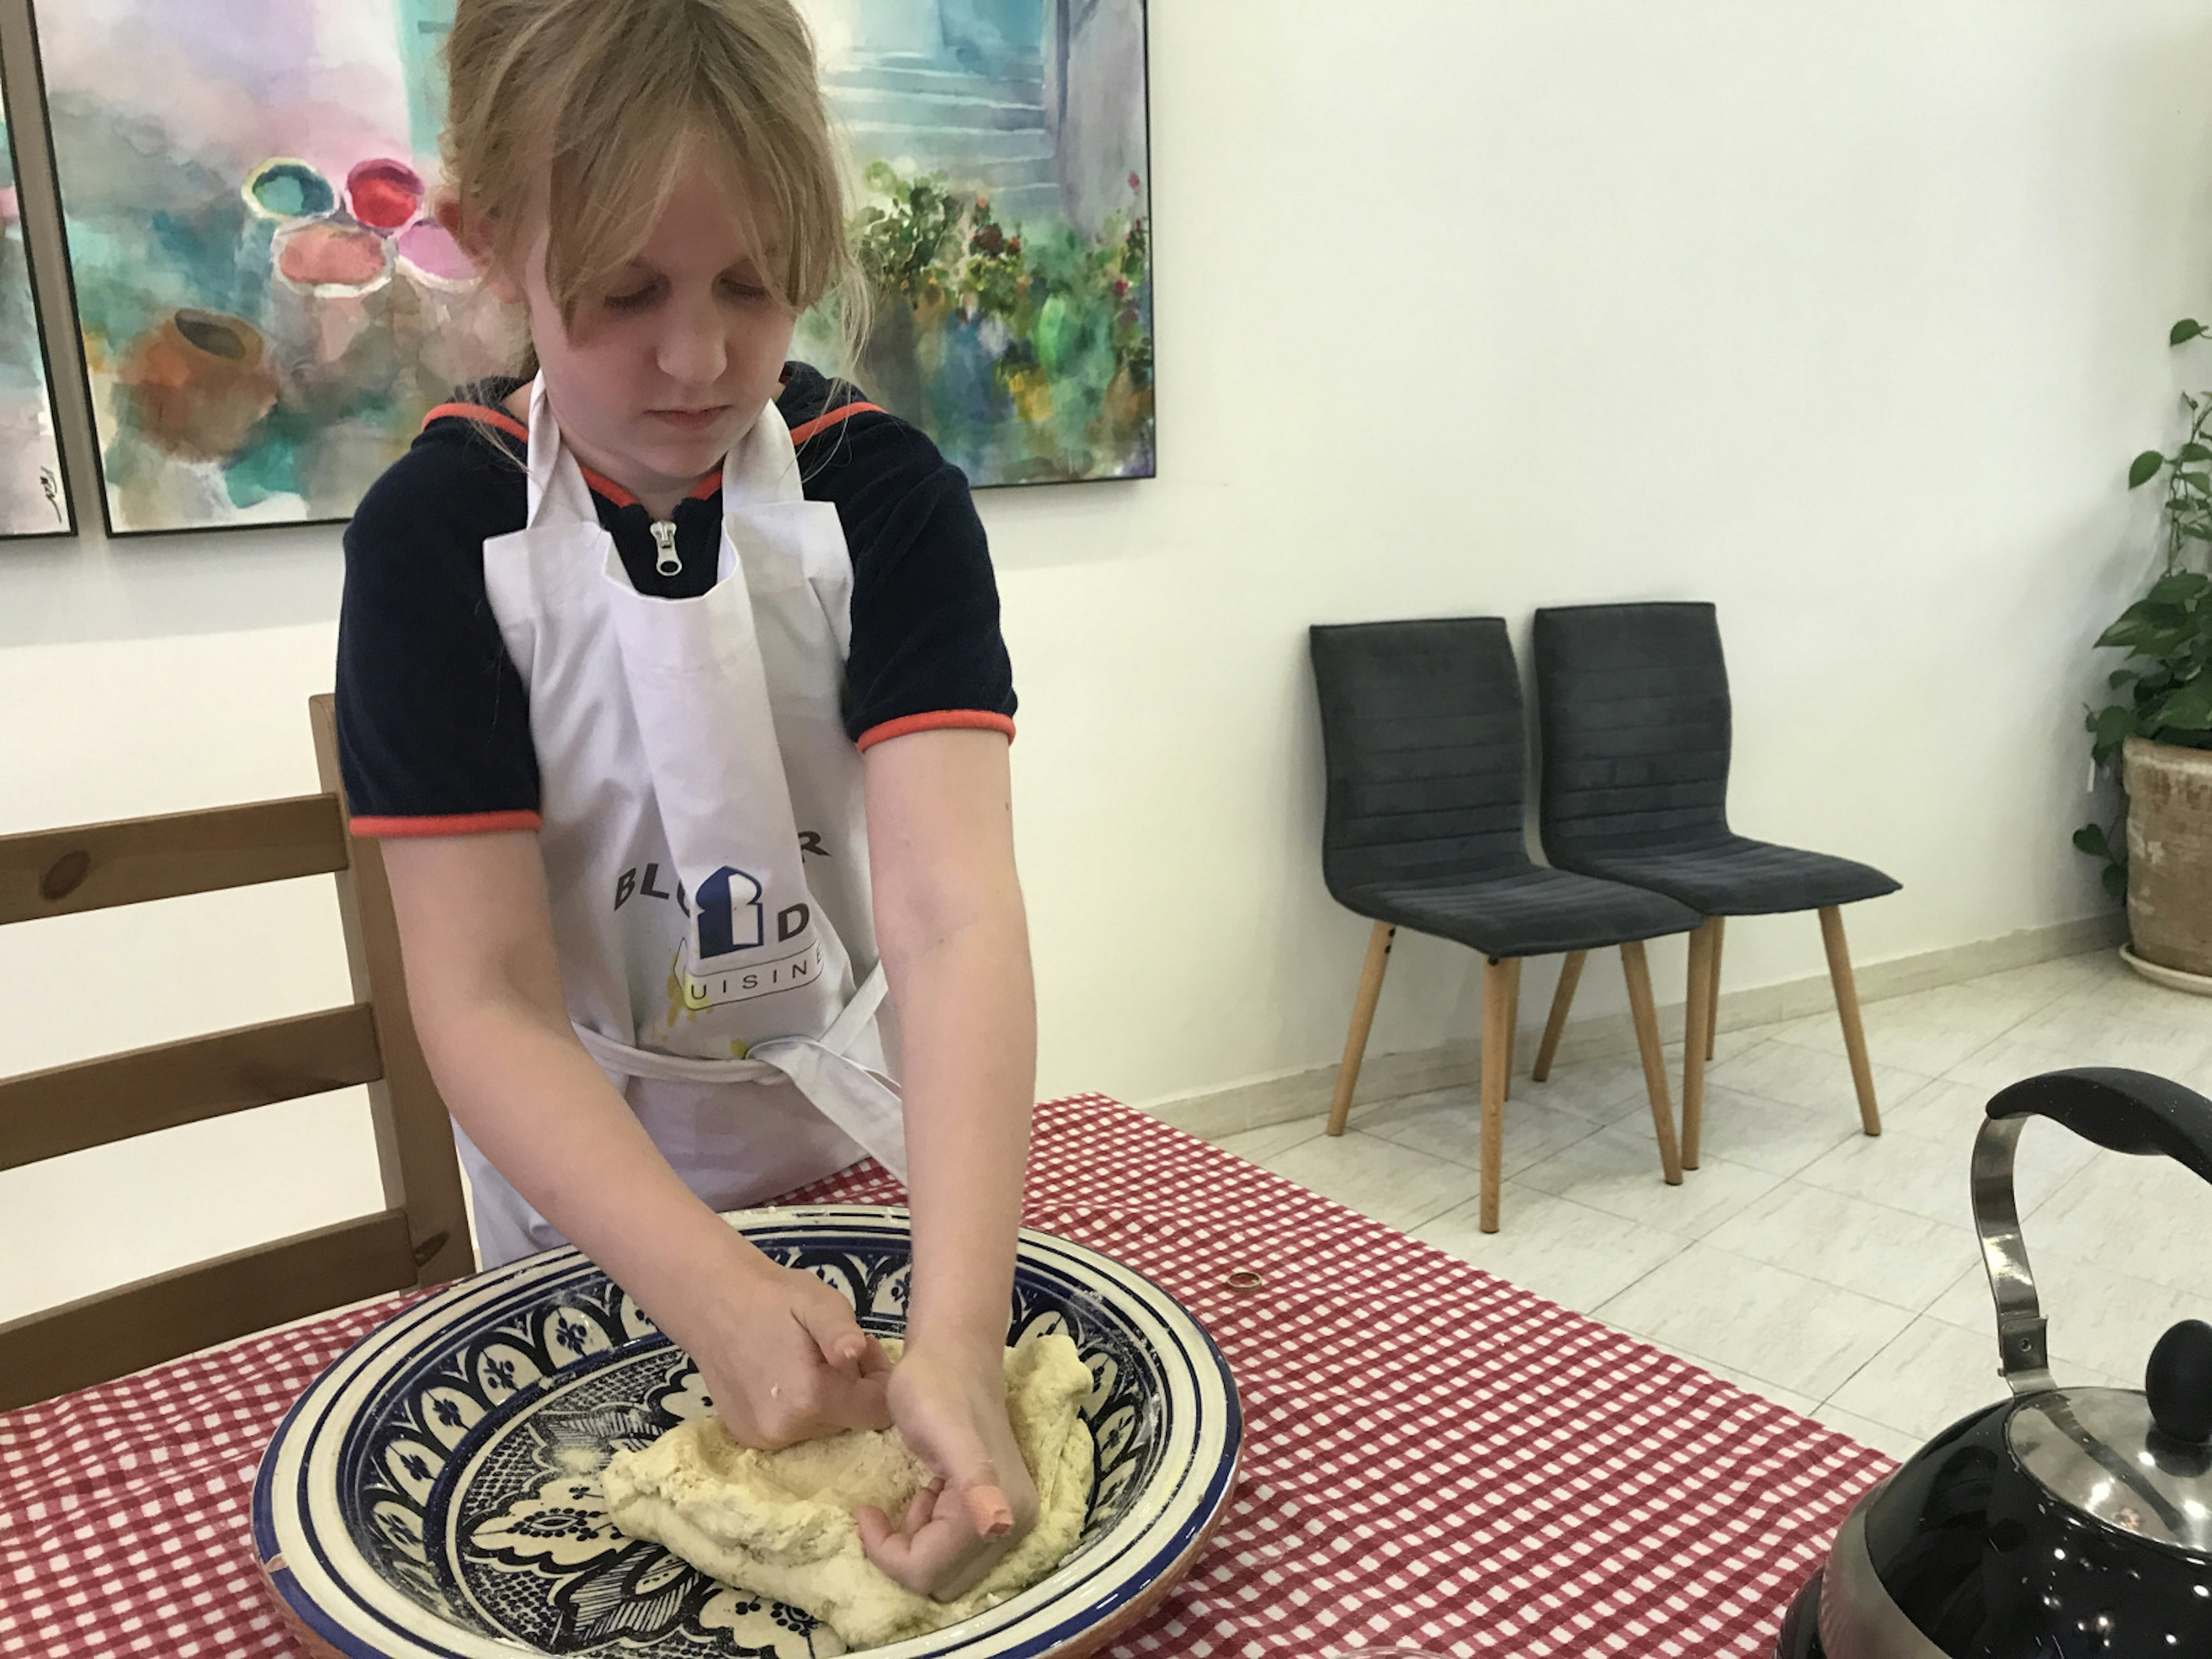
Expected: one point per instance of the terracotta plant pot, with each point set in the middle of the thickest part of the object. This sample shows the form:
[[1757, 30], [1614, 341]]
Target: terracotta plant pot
[[2169, 854], [200, 383]]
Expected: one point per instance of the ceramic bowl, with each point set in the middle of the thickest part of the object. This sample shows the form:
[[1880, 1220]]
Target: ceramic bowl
[[435, 1494]]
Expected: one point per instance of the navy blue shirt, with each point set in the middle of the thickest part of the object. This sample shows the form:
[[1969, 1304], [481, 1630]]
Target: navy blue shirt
[[433, 720]]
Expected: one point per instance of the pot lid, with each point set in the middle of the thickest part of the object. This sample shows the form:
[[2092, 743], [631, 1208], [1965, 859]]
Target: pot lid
[[2098, 1452]]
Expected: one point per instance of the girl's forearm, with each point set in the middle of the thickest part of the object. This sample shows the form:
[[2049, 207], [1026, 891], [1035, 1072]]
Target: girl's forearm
[[968, 1016], [543, 1113]]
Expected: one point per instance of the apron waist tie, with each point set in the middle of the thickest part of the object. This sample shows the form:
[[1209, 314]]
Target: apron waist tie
[[859, 1100]]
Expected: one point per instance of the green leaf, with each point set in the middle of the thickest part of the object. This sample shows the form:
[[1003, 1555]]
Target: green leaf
[[2116, 881], [2145, 468], [2189, 709], [2090, 839], [2120, 676], [2193, 452], [2181, 587], [2184, 331]]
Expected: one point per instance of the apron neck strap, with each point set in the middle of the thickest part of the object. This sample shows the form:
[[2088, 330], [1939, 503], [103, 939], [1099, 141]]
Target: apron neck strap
[[558, 490]]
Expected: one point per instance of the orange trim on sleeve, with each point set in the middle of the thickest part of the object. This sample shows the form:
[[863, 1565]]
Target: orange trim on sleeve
[[452, 823], [823, 423], [498, 418], [980, 719]]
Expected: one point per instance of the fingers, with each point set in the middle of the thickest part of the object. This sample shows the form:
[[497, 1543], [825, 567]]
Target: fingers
[[987, 1511], [830, 1322]]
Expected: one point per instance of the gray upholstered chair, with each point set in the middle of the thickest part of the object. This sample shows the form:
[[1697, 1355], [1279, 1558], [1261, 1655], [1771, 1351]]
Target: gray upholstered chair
[[1633, 707], [1423, 730]]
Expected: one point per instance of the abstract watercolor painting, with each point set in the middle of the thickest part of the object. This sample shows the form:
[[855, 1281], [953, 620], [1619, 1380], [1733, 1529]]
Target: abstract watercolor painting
[[32, 501], [267, 311]]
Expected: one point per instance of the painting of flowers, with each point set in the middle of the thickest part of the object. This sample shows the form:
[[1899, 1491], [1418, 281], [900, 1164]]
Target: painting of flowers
[[268, 308], [31, 499]]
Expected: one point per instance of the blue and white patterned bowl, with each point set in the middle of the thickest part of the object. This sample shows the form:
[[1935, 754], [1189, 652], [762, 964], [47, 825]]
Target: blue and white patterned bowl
[[435, 1494]]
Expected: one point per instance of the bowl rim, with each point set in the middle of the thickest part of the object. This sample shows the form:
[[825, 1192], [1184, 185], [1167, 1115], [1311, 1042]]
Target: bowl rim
[[293, 1539]]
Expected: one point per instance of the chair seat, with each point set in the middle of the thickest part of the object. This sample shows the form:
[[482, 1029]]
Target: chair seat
[[1530, 912], [1738, 877]]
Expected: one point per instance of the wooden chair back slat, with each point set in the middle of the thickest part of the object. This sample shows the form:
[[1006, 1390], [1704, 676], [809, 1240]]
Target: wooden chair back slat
[[157, 1319], [413, 1135], [55, 872], [70, 1107], [421, 1234]]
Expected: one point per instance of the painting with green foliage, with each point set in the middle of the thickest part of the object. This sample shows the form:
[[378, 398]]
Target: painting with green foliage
[[268, 309], [31, 499], [1004, 227]]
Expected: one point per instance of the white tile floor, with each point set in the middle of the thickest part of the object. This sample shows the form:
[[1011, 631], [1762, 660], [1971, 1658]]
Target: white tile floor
[[1832, 1272]]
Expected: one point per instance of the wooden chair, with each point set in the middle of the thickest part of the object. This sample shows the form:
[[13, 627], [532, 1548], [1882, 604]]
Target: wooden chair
[[1423, 738], [420, 1237]]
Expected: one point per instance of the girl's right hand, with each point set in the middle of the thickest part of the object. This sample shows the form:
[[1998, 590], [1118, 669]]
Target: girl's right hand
[[784, 1361]]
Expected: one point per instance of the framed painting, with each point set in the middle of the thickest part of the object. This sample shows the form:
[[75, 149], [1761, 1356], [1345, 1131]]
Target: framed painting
[[268, 311], [34, 499], [1002, 171]]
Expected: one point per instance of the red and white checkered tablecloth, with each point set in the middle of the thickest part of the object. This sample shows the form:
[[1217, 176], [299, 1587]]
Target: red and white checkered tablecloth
[[1433, 1457]]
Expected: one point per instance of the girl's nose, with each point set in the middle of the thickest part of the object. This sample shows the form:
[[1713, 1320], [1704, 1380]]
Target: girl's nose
[[692, 350]]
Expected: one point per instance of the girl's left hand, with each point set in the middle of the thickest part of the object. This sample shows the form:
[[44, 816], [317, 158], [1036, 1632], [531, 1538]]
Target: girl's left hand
[[950, 1406]]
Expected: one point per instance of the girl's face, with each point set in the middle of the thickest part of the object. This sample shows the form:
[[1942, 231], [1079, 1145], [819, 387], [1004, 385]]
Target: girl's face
[[672, 362]]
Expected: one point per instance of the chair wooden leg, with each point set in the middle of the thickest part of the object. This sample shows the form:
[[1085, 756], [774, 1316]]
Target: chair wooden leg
[[1847, 1008], [1498, 979], [1570, 974], [1638, 972], [1512, 1018], [1363, 1021], [1719, 925], [1696, 1019]]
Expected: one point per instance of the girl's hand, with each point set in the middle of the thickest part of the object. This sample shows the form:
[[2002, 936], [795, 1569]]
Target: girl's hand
[[950, 1409], [784, 1361]]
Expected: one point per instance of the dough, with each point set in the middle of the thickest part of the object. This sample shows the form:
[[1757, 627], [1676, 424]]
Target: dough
[[781, 1523]]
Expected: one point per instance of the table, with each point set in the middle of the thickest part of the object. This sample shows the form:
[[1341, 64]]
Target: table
[[1433, 1458]]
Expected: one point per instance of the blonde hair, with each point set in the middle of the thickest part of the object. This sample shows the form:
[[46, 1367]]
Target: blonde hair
[[585, 109]]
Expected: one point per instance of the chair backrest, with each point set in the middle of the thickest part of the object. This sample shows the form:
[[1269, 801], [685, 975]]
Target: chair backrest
[[1422, 736], [1632, 706], [421, 1236]]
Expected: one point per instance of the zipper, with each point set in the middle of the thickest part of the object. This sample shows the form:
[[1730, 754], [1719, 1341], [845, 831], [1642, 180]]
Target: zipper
[[667, 561]]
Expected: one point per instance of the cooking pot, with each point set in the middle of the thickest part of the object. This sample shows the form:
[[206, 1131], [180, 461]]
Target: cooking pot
[[2061, 1522]]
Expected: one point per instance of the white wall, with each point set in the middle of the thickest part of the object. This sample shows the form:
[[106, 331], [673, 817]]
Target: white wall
[[1847, 316]]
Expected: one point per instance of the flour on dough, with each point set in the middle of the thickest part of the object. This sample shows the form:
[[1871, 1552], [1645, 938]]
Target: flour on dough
[[779, 1524]]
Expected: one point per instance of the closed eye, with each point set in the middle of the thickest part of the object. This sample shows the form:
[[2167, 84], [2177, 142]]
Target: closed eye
[[635, 299]]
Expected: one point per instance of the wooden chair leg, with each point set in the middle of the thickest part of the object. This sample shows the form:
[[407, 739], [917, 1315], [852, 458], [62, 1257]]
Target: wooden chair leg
[[1719, 925], [1363, 1021], [1512, 1018], [1697, 1020], [1498, 979], [1847, 1007], [1570, 974], [1638, 972]]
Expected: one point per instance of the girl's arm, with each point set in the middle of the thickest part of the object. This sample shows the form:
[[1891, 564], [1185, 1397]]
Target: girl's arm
[[955, 943], [779, 1351]]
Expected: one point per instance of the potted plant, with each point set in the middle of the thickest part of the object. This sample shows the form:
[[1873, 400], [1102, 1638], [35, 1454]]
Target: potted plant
[[2160, 730]]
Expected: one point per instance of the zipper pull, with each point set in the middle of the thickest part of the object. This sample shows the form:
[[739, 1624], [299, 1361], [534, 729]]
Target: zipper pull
[[667, 561]]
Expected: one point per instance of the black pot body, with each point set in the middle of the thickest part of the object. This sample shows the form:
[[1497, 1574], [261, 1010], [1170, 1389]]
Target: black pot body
[[1986, 1565]]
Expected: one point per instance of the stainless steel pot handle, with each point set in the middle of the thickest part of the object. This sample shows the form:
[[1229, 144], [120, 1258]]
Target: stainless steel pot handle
[[2121, 1110]]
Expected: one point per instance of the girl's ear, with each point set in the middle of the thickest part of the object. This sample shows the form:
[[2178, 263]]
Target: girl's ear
[[445, 208]]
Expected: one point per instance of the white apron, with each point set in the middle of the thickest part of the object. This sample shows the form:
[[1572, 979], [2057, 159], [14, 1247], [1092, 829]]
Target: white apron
[[703, 833]]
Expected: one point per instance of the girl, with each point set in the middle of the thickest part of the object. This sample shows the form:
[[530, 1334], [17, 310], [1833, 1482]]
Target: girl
[[671, 676]]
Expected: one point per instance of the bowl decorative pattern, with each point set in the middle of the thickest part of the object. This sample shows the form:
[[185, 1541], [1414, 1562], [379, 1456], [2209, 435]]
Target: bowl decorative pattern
[[436, 1494]]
